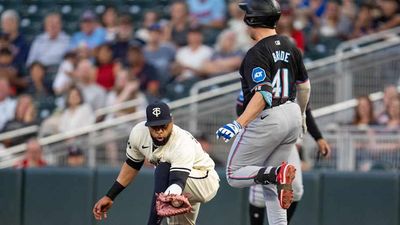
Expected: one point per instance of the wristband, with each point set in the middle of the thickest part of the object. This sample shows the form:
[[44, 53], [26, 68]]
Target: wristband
[[115, 190]]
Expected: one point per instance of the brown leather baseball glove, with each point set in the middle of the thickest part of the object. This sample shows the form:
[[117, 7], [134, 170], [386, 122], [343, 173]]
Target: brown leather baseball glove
[[172, 205]]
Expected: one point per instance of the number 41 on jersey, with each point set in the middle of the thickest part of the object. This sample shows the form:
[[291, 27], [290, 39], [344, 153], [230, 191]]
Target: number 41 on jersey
[[280, 84]]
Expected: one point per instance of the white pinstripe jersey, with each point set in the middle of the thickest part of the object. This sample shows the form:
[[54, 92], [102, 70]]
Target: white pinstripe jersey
[[182, 150]]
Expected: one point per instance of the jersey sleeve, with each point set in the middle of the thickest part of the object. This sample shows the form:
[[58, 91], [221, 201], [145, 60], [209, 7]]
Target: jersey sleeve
[[256, 72], [132, 149], [301, 75]]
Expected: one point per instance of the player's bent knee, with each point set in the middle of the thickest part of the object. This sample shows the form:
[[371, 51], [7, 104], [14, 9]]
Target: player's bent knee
[[236, 183]]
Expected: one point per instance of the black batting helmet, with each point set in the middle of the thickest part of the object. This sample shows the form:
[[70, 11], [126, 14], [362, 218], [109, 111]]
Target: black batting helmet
[[261, 13]]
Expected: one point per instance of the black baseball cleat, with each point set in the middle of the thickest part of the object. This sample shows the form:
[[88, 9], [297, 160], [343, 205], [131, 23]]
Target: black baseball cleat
[[285, 177]]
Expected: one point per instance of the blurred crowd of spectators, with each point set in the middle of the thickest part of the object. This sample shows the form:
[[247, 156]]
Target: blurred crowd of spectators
[[372, 120], [59, 80], [385, 116]]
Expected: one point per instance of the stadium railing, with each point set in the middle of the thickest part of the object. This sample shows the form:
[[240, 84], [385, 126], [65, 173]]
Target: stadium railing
[[357, 148], [19, 132]]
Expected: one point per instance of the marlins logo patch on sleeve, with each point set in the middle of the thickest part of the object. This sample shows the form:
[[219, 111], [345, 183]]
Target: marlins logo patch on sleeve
[[258, 74]]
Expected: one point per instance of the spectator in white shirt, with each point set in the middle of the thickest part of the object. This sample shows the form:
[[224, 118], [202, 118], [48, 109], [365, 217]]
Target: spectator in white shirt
[[187, 68], [7, 105], [150, 17], [235, 23], [50, 46], [389, 94], [226, 57], [190, 58], [109, 20], [93, 93], [77, 114], [64, 77]]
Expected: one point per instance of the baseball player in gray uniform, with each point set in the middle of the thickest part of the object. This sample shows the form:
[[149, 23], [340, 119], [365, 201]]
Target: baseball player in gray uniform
[[181, 165], [272, 76], [256, 194]]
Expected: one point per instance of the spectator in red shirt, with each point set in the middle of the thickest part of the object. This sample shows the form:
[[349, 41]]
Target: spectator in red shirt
[[105, 66], [33, 156]]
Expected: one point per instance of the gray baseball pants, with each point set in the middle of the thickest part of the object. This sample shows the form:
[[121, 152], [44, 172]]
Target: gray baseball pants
[[265, 142]]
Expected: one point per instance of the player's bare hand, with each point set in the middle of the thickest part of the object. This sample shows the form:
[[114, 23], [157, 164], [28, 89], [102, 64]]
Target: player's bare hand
[[101, 207], [323, 147]]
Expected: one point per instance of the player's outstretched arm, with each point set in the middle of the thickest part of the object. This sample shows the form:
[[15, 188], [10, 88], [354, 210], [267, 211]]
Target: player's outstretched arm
[[255, 107], [125, 177]]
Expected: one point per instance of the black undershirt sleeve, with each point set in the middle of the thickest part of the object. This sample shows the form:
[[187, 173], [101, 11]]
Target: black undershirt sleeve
[[134, 164], [312, 126], [179, 178]]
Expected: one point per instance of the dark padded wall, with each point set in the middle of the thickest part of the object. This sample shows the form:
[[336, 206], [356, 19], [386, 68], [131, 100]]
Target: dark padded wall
[[10, 196], [132, 206], [58, 196], [65, 196], [227, 207], [360, 198], [308, 209]]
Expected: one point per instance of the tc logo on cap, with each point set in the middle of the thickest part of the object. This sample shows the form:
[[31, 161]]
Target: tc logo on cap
[[156, 111], [158, 114]]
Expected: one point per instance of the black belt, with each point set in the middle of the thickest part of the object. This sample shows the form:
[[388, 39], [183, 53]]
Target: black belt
[[280, 101]]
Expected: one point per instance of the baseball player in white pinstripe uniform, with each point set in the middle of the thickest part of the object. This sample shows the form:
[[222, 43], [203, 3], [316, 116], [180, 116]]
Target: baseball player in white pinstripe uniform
[[181, 165]]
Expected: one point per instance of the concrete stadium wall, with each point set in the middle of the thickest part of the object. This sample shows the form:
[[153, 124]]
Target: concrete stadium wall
[[65, 196]]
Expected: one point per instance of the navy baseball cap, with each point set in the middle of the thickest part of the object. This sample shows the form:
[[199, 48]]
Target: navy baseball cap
[[74, 151], [158, 114], [155, 27], [88, 15]]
